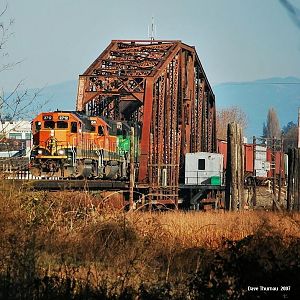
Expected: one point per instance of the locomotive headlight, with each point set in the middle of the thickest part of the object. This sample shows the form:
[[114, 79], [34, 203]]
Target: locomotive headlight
[[40, 151], [61, 152]]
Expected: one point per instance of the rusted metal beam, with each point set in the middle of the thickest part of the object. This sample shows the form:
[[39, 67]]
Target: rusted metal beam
[[145, 138]]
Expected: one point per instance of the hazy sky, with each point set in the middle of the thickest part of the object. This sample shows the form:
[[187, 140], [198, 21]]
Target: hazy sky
[[236, 40]]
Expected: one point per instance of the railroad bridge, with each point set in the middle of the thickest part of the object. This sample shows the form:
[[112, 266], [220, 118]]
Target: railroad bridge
[[161, 89]]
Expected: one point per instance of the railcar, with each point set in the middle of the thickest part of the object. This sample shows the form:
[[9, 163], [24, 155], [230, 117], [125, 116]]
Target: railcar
[[70, 144], [260, 162]]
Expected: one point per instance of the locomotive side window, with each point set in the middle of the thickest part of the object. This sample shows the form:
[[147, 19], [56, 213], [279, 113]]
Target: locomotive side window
[[49, 124], [100, 130], [38, 125], [73, 127], [62, 124]]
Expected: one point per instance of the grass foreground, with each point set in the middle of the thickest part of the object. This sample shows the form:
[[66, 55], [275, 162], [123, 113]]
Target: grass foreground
[[67, 245]]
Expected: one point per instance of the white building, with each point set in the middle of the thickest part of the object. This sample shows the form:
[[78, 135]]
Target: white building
[[15, 138], [19, 130]]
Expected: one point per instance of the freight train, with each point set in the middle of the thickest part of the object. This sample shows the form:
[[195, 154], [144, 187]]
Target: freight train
[[260, 162], [70, 144]]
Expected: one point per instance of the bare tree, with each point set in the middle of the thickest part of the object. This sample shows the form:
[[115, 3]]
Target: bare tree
[[228, 115], [271, 127], [5, 34], [17, 103]]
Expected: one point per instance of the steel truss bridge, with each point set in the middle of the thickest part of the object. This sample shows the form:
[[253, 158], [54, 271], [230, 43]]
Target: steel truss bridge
[[161, 89]]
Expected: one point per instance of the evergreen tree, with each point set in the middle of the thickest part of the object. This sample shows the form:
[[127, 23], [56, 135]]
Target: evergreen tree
[[290, 136]]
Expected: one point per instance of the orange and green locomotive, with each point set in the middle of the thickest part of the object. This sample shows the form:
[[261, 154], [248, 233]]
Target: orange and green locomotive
[[70, 144]]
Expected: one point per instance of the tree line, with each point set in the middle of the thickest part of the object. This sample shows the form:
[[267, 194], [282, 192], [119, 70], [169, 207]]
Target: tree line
[[271, 127]]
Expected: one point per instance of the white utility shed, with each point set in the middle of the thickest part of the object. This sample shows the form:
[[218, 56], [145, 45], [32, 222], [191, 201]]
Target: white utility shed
[[200, 167]]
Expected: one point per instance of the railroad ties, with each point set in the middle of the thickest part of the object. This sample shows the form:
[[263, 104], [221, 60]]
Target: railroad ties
[[16, 170]]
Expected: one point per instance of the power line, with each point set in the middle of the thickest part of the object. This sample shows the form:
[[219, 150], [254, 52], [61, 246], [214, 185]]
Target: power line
[[260, 83]]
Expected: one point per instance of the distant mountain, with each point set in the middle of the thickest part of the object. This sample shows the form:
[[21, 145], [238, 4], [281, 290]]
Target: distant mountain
[[60, 96], [26, 104], [254, 98]]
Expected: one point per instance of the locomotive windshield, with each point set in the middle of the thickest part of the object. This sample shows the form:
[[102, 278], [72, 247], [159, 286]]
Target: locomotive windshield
[[49, 124], [52, 125], [62, 124]]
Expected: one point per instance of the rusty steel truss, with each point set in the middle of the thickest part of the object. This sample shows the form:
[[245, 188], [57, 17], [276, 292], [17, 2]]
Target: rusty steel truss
[[159, 87]]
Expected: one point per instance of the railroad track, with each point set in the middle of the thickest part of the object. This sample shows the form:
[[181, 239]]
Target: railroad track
[[50, 184]]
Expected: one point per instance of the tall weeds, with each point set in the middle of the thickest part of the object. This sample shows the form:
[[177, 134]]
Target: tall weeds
[[69, 245]]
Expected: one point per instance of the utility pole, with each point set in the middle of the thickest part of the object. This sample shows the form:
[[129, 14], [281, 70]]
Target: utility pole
[[280, 170], [273, 171], [254, 172], [298, 127], [234, 175]]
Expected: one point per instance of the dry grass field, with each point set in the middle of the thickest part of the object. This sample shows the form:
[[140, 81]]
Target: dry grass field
[[66, 245]]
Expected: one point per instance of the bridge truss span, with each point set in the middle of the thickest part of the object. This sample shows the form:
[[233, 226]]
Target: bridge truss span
[[161, 89]]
